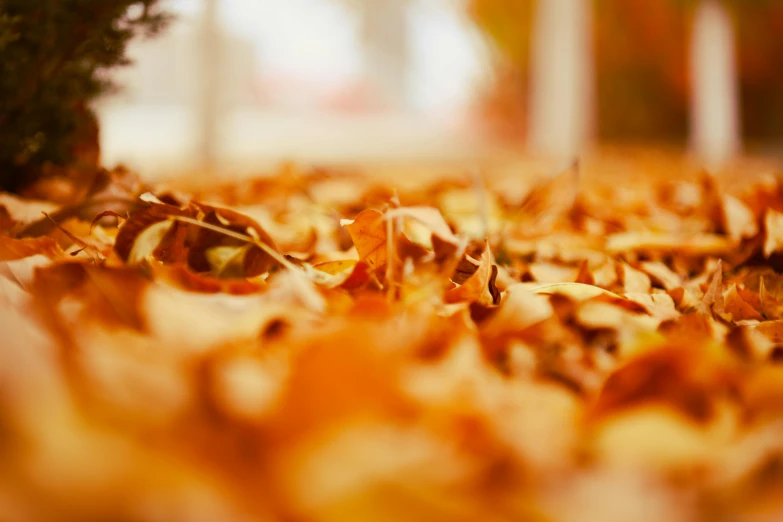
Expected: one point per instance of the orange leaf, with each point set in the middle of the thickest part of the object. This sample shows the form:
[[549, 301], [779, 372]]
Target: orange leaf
[[12, 249], [139, 223], [109, 294], [254, 262], [739, 309], [368, 232], [773, 227], [480, 287], [678, 377], [348, 274]]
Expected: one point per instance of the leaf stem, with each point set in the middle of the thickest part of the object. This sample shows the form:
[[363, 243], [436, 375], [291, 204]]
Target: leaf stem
[[274, 254]]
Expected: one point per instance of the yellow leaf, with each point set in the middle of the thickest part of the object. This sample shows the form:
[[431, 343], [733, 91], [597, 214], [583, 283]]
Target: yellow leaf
[[228, 261], [147, 241]]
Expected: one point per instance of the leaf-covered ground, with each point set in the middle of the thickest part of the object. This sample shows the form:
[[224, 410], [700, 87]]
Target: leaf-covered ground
[[329, 346]]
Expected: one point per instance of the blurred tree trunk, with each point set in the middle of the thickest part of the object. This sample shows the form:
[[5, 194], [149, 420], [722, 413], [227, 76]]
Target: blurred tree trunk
[[561, 77], [385, 42], [714, 116], [208, 109]]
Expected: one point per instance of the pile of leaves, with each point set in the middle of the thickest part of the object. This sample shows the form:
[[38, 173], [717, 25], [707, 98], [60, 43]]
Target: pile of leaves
[[334, 346]]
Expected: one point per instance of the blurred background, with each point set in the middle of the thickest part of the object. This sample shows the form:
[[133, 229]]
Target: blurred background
[[236, 86]]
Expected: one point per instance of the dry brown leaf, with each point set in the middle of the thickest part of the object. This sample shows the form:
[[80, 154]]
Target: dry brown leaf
[[738, 308], [678, 377], [254, 259], [347, 274], [519, 309], [552, 273], [108, 213], [368, 232], [479, 287], [138, 227], [773, 232], [313, 382], [633, 280], [661, 306], [713, 297], [7, 223], [111, 295], [552, 198], [181, 276], [585, 276], [12, 249], [577, 291], [430, 217], [737, 219], [661, 274], [702, 244]]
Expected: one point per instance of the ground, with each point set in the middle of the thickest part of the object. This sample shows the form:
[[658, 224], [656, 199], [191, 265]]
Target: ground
[[498, 341]]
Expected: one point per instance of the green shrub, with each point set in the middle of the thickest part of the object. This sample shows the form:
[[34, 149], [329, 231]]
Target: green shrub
[[55, 57]]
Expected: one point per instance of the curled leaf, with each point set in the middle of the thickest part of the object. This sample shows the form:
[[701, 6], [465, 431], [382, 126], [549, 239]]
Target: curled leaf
[[348, 274], [108, 213], [147, 241], [479, 287], [250, 260], [134, 236]]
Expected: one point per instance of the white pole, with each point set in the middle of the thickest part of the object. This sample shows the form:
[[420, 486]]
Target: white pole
[[561, 79], [208, 109], [715, 127]]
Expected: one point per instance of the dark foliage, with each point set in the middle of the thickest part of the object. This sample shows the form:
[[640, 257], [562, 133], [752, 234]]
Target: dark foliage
[[54, 60]]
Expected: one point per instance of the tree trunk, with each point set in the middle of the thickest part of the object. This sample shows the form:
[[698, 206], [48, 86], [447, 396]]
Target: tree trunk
[[561, 78], [208, 109], [715, 127], [385, 41]]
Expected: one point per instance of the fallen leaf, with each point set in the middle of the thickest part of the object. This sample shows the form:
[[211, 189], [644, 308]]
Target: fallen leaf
[[773, 232], [552, 273], [702, 244], [552, 198], [519, 309], [738, 308], [7, 223], [368, 232], [661, 274], [670, 376], [227, 261], [138, 224], [108, 213], [147, 241], [633, 280], [713, 298], [737, 219], [254, 260], [12, 249], [479, 287], [430, 217], [576, 291]]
